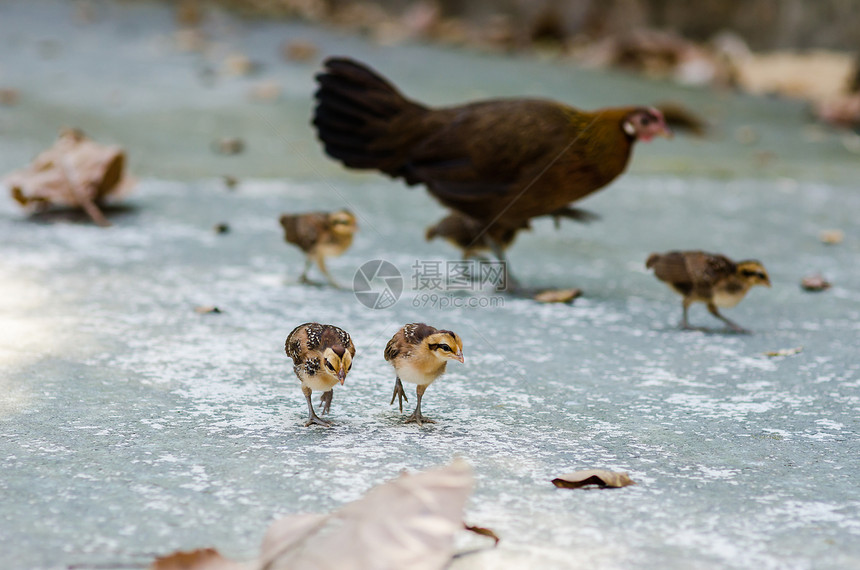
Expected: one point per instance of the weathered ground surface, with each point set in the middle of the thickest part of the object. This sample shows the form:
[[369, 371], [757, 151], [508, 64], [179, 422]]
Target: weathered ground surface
[[130, 425]]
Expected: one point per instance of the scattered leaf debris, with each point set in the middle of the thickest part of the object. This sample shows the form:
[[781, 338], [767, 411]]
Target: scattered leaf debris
[[239, 64], [8, 96], [265, 91], [831, 237], [598, 477], [784, 352], [221, 228], [746, 135], [230, 181], [299, 50], [815, 283], [557, 295], [75, 172], [207, 309], [408, 522], [228, 145]]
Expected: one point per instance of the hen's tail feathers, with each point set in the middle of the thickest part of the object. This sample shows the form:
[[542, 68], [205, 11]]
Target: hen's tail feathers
[[355, 108]]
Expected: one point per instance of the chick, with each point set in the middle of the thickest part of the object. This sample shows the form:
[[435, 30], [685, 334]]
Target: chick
[[708, 278], [320, 235], [419, 354], [467, 234], [470, 235], [322, 356]]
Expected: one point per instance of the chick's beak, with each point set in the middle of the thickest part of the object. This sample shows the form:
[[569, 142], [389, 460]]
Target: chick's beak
[[459, 356], [341, 375]]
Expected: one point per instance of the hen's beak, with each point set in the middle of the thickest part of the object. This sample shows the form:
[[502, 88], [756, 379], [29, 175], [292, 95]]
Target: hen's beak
[[666, 132], [459, 356], [341, 375]]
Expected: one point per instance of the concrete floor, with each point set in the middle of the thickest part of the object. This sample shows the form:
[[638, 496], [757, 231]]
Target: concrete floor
[[131, 426]]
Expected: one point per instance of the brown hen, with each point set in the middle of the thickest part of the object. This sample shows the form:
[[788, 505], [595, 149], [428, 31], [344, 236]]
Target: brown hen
[[501, 162]]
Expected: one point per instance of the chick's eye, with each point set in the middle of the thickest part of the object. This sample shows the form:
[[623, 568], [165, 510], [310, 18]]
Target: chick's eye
[[445, 347], [329, 366]]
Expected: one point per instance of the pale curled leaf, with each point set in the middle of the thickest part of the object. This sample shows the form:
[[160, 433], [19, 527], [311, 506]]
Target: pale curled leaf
[[201, 559], [598, 477], [409, 522], [285, 533], [785, 352], [75, 172]]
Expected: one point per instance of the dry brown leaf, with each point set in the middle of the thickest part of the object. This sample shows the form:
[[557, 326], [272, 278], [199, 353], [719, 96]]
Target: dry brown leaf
[[815, 283], [488, 532], [599, 477], [201, 559], [75, 172], [207, 309], [557, 295]]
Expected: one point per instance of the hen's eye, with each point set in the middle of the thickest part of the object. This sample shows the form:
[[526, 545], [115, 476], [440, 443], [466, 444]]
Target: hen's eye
[[329, 366], [646, 120]]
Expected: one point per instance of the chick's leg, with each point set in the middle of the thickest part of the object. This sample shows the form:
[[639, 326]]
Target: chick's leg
[[732, 325], [304, 278], [416, 415], [312, 416], [321, 263], [325, 401], [685, 324], [398, 393]]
